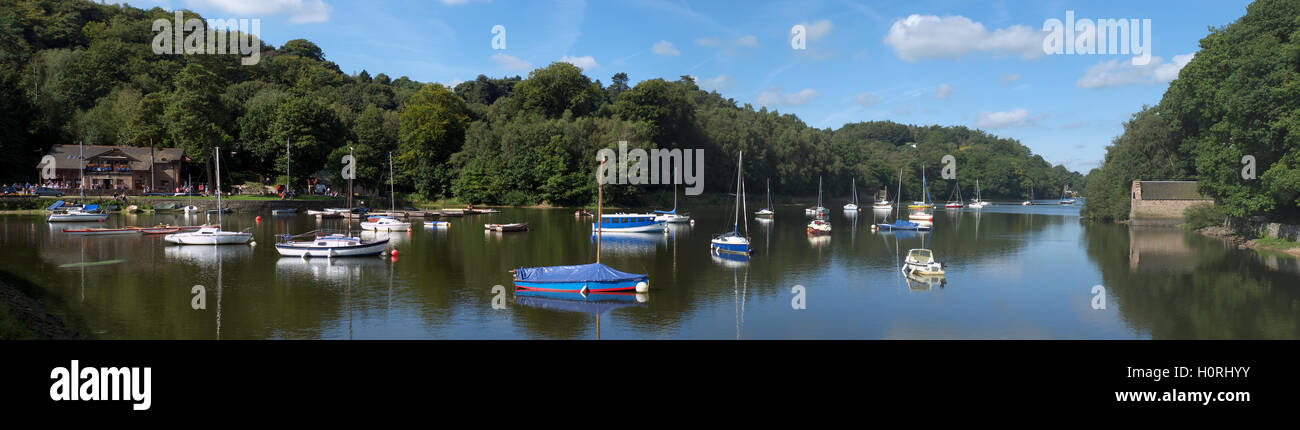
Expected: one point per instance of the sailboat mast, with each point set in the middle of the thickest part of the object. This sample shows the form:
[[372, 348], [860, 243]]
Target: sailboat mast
[[392, 192], [600, 199], [739, 163], [217, 152], [82, 157], [898, 204], [288, 179]]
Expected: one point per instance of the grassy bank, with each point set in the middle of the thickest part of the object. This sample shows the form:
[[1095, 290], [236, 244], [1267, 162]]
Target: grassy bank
[[24, 314]]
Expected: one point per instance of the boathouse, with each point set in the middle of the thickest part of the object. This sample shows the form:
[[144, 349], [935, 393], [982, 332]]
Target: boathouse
[[1163, 202]]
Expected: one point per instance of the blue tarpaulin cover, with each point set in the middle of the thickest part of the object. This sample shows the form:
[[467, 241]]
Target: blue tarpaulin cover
[[594, 272], [674, 211], [56, 205], [89, 208]]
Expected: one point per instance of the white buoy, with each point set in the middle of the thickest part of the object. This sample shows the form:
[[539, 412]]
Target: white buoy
[[642, 287], [642, 297]]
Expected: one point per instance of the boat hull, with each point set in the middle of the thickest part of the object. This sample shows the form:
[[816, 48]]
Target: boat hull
[[588, 287], [730, 247], [656, 226], [78, 218], [361, 250], [227, 238], [102, 231], [375, 226]]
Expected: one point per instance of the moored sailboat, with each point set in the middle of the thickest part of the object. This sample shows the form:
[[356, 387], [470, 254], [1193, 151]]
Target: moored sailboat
[[853, 205], [211, 235], [733, 242], [767, 213]]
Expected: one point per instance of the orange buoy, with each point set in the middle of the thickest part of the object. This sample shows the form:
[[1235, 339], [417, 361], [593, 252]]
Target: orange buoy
[[259, 218], [394, 252]]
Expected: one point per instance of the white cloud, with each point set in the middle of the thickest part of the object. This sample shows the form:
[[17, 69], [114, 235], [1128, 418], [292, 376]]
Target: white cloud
[[1009, 79], [927, 36], [817, 30], [1012, 118], [511, 63], [774, 97], [865, 100], [299, 11], [584, 62], [707, 41], [665, 48], [716, 83], [748, 40], [1117, 73], [943, 92], [903, 110]]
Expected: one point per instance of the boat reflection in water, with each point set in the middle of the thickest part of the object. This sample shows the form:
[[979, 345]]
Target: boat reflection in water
[[327, 269], [729, 260], [631, 244], [205, 254], [595, 304]]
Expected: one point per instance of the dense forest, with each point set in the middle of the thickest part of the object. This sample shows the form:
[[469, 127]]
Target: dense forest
[[1240, 96], [77, 71]]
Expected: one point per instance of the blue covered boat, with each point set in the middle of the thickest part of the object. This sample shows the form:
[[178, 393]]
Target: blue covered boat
[[903, 225], [584, 278]]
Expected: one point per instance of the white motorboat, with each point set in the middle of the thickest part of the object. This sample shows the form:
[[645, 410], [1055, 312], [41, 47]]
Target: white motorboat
[[921, 262], [86, 214], [385, 223], [334, 245]]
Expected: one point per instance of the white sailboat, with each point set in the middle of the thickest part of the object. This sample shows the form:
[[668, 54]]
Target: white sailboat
[[211, 235], [767, 214], [733, 242], [979, 202], [1065, 196], [672, 216], [818, 210], [387, 223], [853, 206], [1029, 202], [921, 210]]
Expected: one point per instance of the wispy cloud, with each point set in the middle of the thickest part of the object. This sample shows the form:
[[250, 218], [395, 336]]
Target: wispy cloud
[[866, 100], [774, 97], [584, 62], [511, 63], [1012, 118], [298, 11], [1116, 73], [943, 92], [665, 48]]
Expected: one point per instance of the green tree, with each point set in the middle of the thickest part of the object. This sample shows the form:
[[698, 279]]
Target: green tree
[[433, 127]]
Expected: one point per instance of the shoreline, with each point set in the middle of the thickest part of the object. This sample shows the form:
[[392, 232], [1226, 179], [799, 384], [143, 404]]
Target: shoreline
[[26, 317], [1244, 243]]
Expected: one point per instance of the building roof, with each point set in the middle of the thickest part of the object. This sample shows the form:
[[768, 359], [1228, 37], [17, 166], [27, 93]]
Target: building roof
[[1170, 190], [66, 156]]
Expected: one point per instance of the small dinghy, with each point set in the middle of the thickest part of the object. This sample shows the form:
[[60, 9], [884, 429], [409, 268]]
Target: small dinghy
[[921, 262], [585, 279], [581, 213], [330, 246], [101, 231], [901, 225], [522, 226], [437, 224], [88, 213], [288, 211]]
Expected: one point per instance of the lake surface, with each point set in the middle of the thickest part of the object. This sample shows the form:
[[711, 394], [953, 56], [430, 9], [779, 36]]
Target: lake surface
[[1013, 272]]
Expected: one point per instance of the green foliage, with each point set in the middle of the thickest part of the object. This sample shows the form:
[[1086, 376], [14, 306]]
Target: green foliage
[[1201, 216], [433, 127], [1147, 150], [558, 88]]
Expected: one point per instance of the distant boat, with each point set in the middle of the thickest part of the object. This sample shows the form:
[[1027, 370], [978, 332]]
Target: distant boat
[[211, 235], [900, 224], [522, 226], [767, 213], [1029, 202], [818, 210], [853, 206], [93, 231], [388, 222], [672, 216], [289, 211], [956, 203], [882, 201], [330, 246], [819, 226], [732, 242], [1064, 196], [979, 202], [921, 209]]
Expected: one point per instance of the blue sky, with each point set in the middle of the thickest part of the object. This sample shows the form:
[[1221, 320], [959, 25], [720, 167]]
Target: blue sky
[[973, 63]]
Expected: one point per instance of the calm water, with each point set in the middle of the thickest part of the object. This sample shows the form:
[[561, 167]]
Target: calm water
[[1013, 272]]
